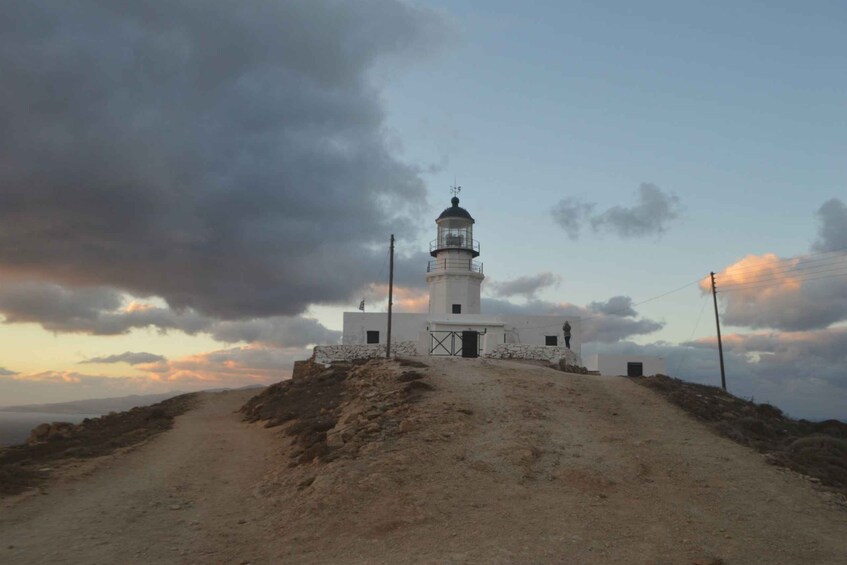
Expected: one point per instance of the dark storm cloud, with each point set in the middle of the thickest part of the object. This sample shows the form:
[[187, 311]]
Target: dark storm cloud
[[595, 327], [832, 226], [129, 357], [102, 311], [652, 213], [293, 332], [226, 156], [524, 286]]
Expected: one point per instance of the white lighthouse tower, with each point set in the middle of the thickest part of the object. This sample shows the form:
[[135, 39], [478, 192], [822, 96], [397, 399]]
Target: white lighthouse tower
[[453, 277]]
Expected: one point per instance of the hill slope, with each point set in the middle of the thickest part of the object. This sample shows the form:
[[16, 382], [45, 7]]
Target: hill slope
[[483, 462]]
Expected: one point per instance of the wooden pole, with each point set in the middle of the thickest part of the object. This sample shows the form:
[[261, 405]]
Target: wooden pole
[[390, 298], [718, 325]]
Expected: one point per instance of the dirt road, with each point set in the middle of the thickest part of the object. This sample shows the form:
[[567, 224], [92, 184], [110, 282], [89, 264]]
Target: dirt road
[[184, 497], [502, 463]]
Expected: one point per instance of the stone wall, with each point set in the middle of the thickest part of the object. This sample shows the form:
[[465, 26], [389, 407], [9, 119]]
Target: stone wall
[[539, 352], [328, 353]]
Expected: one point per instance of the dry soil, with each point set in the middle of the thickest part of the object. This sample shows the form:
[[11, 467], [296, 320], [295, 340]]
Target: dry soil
[[501, 463]]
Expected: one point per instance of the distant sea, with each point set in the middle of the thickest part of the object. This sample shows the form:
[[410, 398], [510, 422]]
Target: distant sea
[[15, 426]]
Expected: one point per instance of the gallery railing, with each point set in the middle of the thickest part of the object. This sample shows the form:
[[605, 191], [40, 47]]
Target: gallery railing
[[450, 241], [453, 264]]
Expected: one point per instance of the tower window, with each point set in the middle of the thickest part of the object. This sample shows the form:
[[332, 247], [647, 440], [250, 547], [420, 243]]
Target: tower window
[[551, 340], [373, 336], [457, 308]]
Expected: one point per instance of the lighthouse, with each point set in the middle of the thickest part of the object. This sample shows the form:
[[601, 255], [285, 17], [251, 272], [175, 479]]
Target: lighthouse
[[454, 324], [453, 275]]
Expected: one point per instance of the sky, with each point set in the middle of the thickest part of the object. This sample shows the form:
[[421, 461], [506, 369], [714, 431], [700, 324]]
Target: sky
[[192, 193]]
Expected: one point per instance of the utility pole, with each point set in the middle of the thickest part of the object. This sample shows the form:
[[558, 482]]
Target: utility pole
[[718, 324], [390, 297]]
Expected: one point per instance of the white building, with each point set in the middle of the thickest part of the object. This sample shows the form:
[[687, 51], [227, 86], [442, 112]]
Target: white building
[[454, 325], [628, 365]]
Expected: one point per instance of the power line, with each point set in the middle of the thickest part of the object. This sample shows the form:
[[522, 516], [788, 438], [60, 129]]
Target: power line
[[767, 284], [787, 279], [805, 259], [788, 270], [705, 299], [623, 309]]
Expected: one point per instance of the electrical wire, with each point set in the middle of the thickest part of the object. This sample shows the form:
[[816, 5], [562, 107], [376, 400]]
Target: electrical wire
[[804, 269], [624, 309], [767, 284], [786, 278], [805, 259], [682, 357]]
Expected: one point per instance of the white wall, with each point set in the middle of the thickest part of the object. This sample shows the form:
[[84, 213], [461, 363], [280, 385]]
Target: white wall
[[454, 287], [532, 330], [404, 326], [613, 365], [522, 330]]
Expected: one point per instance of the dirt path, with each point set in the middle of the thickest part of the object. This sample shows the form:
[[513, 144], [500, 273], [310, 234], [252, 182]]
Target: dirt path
[[502, 463], [183, 497]]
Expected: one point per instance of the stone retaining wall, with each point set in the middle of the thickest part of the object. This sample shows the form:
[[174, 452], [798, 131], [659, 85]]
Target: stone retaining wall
[[328, 353], [539, 352]]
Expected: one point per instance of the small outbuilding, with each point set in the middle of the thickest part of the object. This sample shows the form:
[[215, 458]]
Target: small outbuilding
[[629, 365]]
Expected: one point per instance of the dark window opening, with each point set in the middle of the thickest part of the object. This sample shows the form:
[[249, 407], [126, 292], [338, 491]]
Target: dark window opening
[[373, 336], [457, 308], [635, 369], [551, 340]]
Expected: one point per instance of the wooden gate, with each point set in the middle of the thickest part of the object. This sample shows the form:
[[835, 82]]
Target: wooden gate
[[451, 344]]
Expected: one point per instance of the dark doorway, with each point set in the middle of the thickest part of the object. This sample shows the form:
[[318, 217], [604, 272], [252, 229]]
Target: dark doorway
[[551, 340], [470, 344], [373, 336], [635, 369]]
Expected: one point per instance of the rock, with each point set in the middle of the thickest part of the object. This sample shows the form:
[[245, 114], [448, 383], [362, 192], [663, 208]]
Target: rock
[[335, 440], [373, 427], [407, 426], [38, 433]]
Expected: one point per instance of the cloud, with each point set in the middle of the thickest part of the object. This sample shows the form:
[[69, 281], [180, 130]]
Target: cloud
[[596, 327], [652, 214], [524, 286], [128, 357], [816, 354], [803, 388], [104, 311], [233, 367], [230, 158], [570, 213], [64, 386], [832, 228], [767, 291], [615, 306], [225, 368], [275, 332], [6, 372]]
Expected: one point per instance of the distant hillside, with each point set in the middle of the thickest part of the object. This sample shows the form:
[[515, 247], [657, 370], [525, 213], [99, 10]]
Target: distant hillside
[[95, 405]]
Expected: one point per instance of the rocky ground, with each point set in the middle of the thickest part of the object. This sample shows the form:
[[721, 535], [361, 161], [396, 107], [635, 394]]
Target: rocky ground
[[457, 461]]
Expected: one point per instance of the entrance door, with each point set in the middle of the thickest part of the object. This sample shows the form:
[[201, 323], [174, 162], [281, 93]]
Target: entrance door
[[470, 344], [635, 369]]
